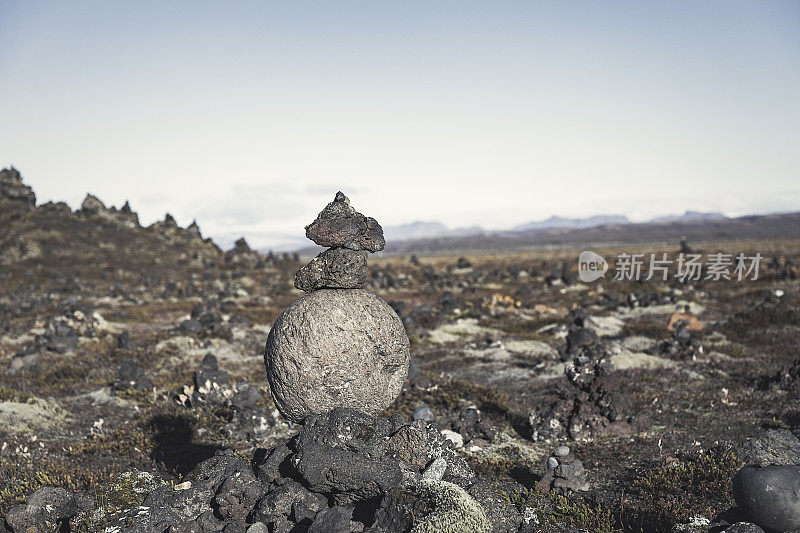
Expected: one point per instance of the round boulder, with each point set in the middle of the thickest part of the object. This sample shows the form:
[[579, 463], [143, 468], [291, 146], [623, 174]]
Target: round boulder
[[336, 348], [769, 495]]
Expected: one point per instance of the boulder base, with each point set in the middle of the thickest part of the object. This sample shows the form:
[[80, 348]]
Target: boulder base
[[336, 348]]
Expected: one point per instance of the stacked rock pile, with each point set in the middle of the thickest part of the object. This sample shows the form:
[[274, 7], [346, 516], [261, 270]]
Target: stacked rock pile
[[582, 341], [339, 345], [564, 472], [683, 345], [345, 472], [349, 235], [589, 404]]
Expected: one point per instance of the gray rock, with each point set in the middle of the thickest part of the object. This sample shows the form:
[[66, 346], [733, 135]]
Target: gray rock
[[336, 348], [768, 495], [280, 501], [561, 451], [772, 447], [743, 527], [423, 413], [237, 496], [333, 520], [44, 509], [339, 225], [131, 375], [336, 268], [258, 527], [436, 469], [552, 463]]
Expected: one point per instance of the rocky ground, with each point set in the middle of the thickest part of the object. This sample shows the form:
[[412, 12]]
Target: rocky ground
[[133, 395]]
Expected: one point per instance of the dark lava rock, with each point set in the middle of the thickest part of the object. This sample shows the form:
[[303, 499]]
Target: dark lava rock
[[246, 397], [339, 225], [209, 362], [209, 373], [333, 520], [124, 341], [226, 480], [131, 375], [433, 505], [589, 406], [342, 453], [769, 495], [242, 254], [772, 447], [191, 327], [336, 268], [577, 339], [282, 502], [46, 509]]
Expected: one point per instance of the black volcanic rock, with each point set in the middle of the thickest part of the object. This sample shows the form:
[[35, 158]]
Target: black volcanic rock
[[772, 447], [336, 268], [769, 495], [339, 225], [342, 453], [12, 188], [131, 375]]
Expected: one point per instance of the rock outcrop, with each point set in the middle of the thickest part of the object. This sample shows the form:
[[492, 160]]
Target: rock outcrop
[[13, 190]]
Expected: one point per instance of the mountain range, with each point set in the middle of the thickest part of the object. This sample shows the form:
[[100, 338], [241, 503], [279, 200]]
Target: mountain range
[[428, 230]]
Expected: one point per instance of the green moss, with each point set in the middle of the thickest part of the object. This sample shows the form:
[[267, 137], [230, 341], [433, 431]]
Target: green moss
[[451, 395], [454, 511], [127, 490], [22, 479], [578, 513], [696, 483], [10, 394]]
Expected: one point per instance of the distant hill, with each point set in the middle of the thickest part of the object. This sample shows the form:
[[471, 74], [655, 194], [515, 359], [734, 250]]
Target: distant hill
[[424, 230], [689, 216], [560, 222], [776, 226]]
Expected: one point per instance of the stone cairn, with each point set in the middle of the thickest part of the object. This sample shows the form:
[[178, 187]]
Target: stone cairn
[[589, 404], [339, 345], [564, 472]]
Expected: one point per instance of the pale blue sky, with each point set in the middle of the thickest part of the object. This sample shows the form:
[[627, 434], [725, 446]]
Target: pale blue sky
[[248, 116]]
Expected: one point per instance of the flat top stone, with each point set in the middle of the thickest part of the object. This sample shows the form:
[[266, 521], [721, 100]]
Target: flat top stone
[[339, 225]]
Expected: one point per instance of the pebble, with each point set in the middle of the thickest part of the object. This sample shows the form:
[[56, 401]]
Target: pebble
[[552, 463], [561, 451], [455, 438], [423, 413]]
